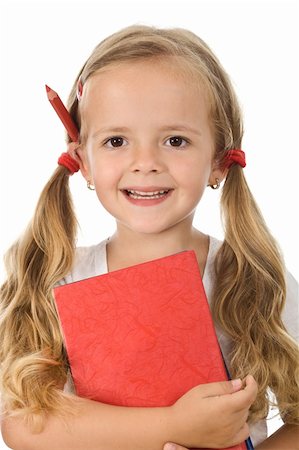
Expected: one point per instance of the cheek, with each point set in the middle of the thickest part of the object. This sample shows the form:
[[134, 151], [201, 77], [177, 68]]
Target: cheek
[[103, 183], [103, 173], [194, 174], [104, 193], [106, 180]]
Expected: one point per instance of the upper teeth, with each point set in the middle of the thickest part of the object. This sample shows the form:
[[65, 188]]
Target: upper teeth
[[146, 193]]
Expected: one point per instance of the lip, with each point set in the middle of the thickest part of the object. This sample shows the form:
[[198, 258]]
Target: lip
[[148, 202], [147, 188]]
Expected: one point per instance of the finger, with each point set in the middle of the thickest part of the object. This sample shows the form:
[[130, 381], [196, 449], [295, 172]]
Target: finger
[[250, 383], [221, 388], [171, 446], [251, 388], [244, 398]]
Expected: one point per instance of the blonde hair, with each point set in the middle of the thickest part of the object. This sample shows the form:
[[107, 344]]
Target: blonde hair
[[250, 289]]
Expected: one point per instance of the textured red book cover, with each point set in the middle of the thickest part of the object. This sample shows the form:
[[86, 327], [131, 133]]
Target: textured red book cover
[[141, 336]]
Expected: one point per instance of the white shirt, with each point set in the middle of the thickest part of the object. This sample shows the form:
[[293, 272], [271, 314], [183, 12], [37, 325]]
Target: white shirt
[[92, 261]]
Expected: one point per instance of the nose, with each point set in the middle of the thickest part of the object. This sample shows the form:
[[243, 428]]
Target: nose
[[147, 159]]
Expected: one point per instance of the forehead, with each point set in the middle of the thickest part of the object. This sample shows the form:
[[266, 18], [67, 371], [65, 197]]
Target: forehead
[[144, 87]]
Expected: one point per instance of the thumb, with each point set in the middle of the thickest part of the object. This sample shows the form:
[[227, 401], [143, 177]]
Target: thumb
[[221, 388]]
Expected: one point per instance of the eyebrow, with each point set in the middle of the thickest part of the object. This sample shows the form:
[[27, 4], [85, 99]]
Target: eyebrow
[[165, 128]]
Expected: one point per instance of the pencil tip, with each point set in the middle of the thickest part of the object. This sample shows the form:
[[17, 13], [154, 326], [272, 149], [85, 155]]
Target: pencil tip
[[47, 88]]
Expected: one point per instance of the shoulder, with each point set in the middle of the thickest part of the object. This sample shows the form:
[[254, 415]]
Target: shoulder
[[209, 277], [214, 246], [89, 262]]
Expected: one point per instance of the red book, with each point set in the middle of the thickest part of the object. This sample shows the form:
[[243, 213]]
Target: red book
[[141, 336]]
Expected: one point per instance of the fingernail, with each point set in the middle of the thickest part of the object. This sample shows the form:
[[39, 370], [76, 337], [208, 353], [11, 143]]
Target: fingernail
[[169, 446], [236, 383]]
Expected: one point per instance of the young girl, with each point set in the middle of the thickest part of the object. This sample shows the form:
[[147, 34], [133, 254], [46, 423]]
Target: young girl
[[158, 121]]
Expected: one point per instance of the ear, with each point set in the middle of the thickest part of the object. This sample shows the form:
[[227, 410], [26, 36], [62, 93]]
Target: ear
[[82, 159], [217, 173]]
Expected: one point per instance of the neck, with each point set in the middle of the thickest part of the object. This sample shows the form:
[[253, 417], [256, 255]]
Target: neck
[[127, 247]]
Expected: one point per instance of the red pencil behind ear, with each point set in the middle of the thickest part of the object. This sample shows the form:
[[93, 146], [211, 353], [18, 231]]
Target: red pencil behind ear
[[63, 114]]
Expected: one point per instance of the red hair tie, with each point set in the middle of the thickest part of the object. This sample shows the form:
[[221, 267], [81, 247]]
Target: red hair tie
[[69, 159], [235, 156], [70, 163]]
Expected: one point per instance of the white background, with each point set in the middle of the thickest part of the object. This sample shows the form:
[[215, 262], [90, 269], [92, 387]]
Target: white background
[[47, 42]]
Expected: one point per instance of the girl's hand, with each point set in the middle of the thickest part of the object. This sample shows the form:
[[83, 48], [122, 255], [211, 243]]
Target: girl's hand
[[214, 414]]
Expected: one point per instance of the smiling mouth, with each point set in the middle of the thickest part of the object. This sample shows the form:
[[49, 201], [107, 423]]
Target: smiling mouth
[[146, 195]]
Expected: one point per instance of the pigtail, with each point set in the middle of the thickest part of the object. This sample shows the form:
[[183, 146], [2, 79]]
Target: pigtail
[[32, 355], [248, 301]]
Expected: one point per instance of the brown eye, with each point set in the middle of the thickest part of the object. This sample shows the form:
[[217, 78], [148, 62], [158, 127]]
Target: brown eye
[[116, 141], [176, 141]]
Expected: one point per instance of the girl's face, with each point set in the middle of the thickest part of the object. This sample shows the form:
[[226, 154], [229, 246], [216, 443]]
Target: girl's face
[[147, 131]]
